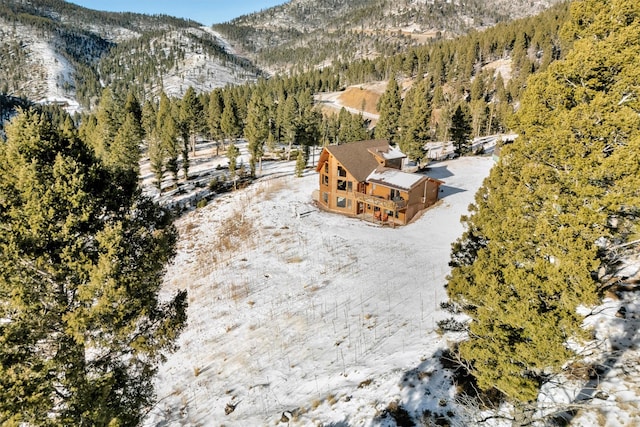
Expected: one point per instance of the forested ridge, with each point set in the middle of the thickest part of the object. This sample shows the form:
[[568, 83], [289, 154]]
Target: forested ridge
[[101, 48], [305, 34]]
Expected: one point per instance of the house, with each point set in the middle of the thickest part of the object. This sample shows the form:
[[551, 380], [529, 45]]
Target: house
[[364, 179]]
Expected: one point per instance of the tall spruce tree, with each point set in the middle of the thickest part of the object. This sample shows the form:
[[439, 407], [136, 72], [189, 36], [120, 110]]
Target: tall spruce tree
[[542, 222], [460, 130], [256, 130], [81, 264], [230, 121], [192, 117], [167, 131], [416, 124], [214, 117], [389, 108]]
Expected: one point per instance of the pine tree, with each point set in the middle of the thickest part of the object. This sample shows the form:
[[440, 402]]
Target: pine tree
[[108, 120], [167, 131], [389, 109], [149, 119], [529, 257], [232, 155], [416, 125], [301, 164], [288, 119], [256, 130], [460, 131], [82, 261], [125, 153], [230, 122], [192, 115], [308, 132], [214, 117], [157, 158]]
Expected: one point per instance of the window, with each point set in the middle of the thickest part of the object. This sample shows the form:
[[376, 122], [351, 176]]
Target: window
[[325, 180], [341, 202], [342, 185], [325, 198], [394, 194], [326, 167], [349, 186], [342, 171]]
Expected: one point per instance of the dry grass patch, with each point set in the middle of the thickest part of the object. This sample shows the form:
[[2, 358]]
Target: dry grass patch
[[238, 292], [357, 97], [270, 188]]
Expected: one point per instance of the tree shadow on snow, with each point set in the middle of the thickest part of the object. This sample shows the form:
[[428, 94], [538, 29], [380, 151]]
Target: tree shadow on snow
[[428, 396], [626, 319]]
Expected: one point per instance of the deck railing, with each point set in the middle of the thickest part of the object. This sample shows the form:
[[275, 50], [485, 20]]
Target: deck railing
[[381, 202]]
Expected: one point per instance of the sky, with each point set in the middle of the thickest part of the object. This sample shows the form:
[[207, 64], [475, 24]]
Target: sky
[[206, 12]]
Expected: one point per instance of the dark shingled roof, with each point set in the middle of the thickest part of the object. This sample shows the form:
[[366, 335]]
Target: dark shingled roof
[[356, 157]]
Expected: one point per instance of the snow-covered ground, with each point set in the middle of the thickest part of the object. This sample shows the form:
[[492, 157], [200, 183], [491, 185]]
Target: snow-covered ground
[[302, 317], [299, 310]]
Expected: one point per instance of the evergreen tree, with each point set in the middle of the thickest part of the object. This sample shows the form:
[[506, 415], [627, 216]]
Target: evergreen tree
[[82, 261], [288, 119], [308, 132], [125, 150], [529, 257], [108, 120], [416, 127], [232, 155], [230, 122], [149, 119], [389, 108], [167, 131], [460, 131], [132, 106], [256, 130], [192, 116], [157, 158], [301, 164], [214, 117]]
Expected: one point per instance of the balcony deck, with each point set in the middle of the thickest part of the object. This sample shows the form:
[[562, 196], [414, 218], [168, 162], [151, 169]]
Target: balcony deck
[[392, 205]]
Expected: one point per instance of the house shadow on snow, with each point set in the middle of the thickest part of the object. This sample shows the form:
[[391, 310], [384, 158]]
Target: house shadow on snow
[[434, 170], [446, 191], [343, 423], [442, 172]]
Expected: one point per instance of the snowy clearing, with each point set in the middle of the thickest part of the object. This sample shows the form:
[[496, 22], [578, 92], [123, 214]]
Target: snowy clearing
[[301, 317], [294, 309]]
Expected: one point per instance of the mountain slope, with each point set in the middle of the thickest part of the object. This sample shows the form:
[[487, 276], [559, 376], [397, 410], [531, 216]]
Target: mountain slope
[[312, 33], [55, 50]]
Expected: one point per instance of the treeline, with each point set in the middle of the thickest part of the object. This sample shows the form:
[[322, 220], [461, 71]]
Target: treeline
[[269, 114], [552, 222]]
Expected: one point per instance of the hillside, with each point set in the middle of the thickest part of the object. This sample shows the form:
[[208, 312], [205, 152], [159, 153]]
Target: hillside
[[53, 50], [303, 34]]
